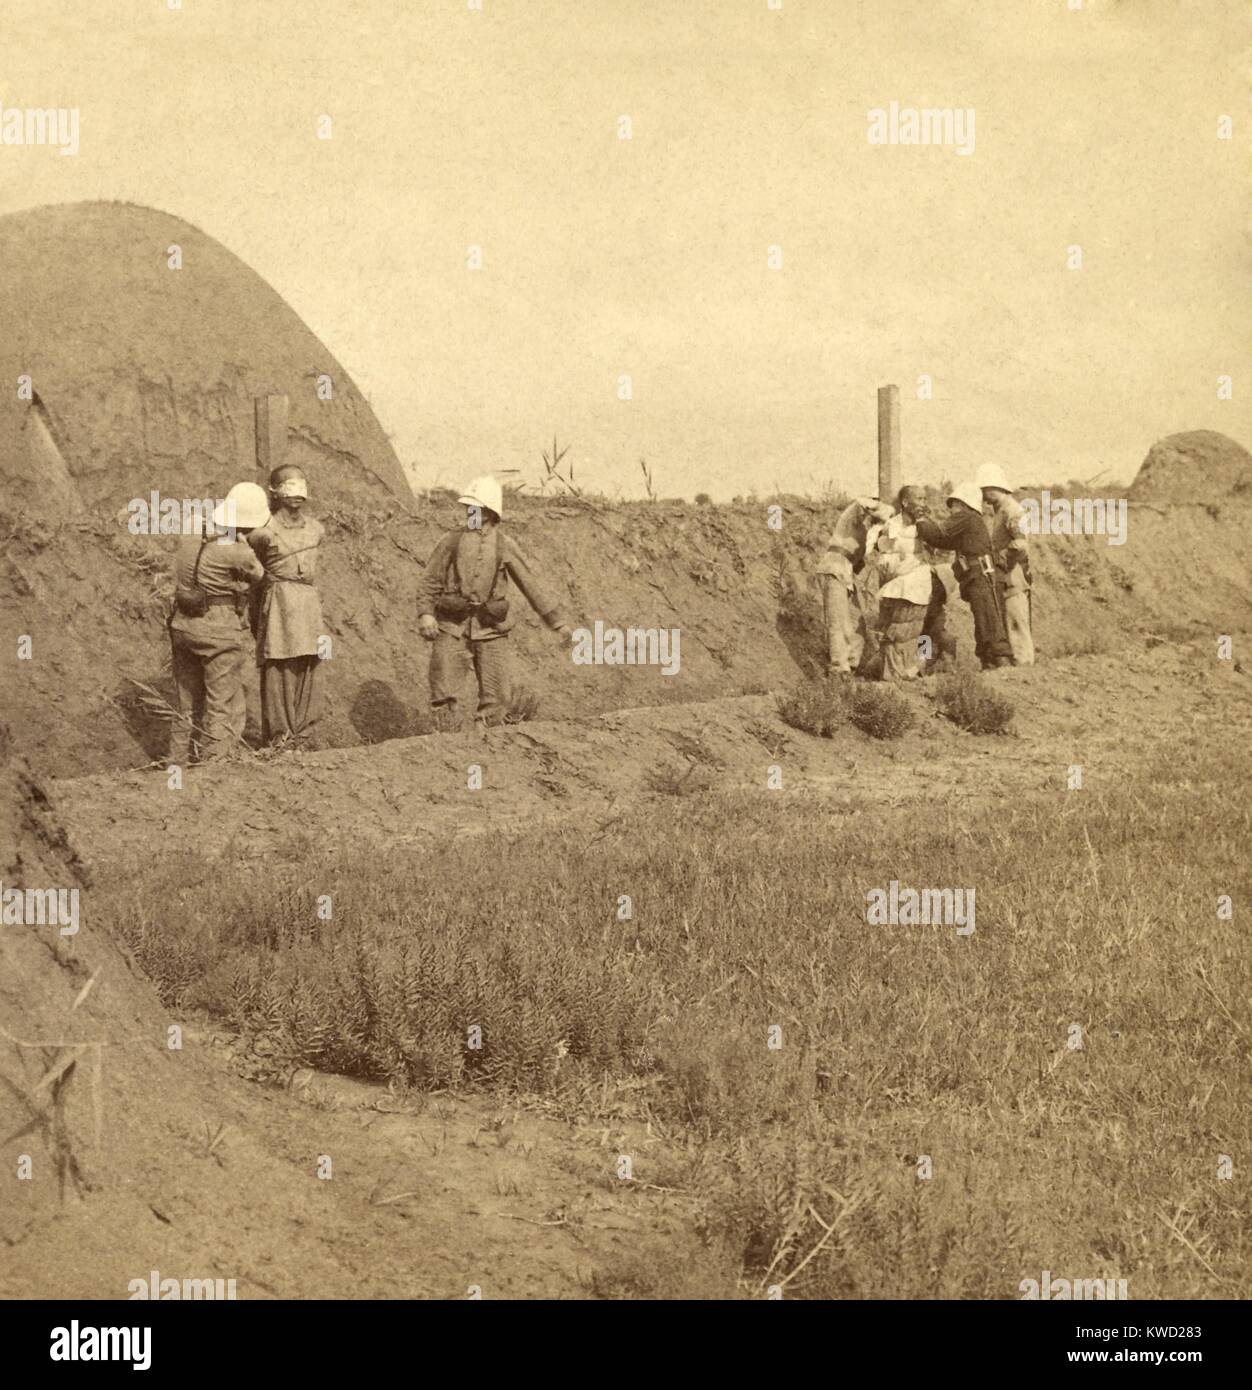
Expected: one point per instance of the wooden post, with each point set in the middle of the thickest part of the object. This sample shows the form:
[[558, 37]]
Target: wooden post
[[271, 433], [888, 442]]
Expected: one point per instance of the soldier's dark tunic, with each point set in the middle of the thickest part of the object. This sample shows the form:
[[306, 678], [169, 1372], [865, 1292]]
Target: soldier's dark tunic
[[965, 532]]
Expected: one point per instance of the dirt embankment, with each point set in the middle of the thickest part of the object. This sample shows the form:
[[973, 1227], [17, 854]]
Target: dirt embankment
[[1106, 712], [743, 596], [95, 1109]]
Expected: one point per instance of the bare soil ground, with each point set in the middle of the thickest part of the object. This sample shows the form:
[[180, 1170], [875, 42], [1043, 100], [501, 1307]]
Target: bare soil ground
[[410, 791]]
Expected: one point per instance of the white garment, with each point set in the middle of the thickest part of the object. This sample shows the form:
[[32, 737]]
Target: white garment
[[903, 570]]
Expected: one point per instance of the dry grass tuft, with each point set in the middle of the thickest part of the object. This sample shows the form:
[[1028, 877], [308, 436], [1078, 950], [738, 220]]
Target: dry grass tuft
[[878, 710], [817, 707], [969, 702]]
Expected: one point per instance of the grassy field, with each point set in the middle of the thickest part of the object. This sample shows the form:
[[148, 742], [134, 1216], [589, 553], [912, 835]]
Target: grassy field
[[920, 1123]]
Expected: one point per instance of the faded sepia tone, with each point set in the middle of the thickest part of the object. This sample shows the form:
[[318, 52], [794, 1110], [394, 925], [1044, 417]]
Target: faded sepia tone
[[623, 649], [499, 129]]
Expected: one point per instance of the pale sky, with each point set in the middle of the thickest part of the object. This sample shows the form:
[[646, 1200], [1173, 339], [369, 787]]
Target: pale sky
[[452, 127]]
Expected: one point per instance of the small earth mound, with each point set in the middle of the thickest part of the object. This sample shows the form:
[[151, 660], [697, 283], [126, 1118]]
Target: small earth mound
[[1195, 466]]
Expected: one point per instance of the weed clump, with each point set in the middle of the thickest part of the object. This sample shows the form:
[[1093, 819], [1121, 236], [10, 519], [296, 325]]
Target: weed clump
[[523, 706], [815, 707], [968, 702], [879, 711]]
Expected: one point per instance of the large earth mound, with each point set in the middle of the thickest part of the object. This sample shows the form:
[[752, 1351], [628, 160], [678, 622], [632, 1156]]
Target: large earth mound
[[143, 376], [1196, 466]]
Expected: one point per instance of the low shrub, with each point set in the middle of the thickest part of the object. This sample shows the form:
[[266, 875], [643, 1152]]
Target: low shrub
[[967, 700], [879, 710], [815, 707]]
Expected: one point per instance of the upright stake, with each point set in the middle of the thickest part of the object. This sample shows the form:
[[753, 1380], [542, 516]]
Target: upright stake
[[888, 442], [271, 433]]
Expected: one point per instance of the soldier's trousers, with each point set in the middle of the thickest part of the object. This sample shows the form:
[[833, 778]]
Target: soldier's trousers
[[1017, 619], [450, 661], [990, 643], [208, 662]]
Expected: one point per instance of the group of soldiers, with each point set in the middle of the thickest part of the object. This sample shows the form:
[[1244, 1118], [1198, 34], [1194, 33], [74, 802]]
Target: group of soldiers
[[890, 559], [251, 577], [256, 580]]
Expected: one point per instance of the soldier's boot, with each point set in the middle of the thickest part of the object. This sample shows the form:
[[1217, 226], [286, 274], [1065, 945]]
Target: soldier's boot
[[447, 718]]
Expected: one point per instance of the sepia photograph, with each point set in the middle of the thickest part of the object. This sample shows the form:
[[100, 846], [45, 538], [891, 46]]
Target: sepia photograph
[[625, 664]]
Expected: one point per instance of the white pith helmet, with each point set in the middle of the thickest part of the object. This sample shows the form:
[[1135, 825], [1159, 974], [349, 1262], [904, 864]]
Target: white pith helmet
[[245, 505], [969, 493], [992, 475], [484, 492]]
